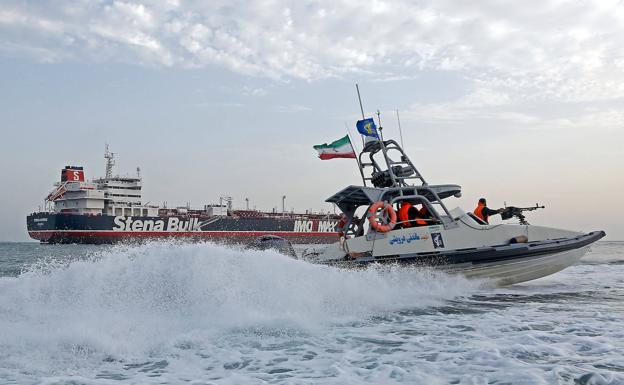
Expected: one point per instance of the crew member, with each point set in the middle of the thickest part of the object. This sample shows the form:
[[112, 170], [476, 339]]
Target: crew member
[[409, 216], [417, 219], [357, 225], [484, 212], [341, 226]]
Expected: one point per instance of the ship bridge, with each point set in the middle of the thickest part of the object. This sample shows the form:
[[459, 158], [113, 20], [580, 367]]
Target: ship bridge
[[111, 195]]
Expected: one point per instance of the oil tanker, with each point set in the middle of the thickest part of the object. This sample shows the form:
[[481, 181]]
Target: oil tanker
[[110, 210]]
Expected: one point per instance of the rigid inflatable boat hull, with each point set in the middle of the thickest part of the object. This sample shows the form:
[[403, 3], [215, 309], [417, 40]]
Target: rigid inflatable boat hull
[[521, 269], [504, 264]]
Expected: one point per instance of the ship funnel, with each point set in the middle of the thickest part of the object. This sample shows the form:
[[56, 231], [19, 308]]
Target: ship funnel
[[72, 174]]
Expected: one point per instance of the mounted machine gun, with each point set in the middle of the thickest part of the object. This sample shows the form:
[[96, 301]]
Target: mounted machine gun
[[512, 211]]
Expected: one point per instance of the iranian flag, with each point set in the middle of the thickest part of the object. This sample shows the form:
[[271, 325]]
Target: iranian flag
[[340, 148]]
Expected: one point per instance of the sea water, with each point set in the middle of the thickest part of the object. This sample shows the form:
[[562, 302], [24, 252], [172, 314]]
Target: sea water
[[205, 314]]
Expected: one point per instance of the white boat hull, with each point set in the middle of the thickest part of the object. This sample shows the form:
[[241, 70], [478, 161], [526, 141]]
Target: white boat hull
[[520, 269], [502, 265]]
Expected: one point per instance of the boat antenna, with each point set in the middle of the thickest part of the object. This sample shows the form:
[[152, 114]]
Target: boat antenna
[[400, 130], [357, 88], [380, 128]]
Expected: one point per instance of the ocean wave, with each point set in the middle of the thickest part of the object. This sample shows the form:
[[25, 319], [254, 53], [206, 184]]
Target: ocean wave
[[605, 253], [130, 303]]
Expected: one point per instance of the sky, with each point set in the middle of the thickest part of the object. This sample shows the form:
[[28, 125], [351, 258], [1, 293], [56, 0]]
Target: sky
[[519, 102]]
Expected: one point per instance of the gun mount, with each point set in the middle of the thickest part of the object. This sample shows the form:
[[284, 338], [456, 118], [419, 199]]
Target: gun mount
[[517, 212]]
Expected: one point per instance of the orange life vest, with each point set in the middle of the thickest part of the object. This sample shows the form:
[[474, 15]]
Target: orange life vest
[[404, 218], [420, 221], [479, 212], [403, 214]]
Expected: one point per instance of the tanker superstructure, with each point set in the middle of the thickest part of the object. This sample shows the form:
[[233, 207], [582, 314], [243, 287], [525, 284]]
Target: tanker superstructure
[[110, 210]]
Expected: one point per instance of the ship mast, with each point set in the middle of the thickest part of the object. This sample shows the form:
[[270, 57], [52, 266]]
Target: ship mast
[[110, 162]]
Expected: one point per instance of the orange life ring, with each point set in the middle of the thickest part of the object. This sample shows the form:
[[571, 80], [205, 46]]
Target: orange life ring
[[403, 214], [387, 214]]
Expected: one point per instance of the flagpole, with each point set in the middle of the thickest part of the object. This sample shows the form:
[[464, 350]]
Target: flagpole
[[348, 133], [357, 159], [357, 88]]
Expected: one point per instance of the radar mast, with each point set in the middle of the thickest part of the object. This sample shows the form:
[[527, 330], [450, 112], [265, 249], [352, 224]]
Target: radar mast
[[110, 162]]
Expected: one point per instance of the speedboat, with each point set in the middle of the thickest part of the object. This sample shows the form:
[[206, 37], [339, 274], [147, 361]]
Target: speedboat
[[452, 240]]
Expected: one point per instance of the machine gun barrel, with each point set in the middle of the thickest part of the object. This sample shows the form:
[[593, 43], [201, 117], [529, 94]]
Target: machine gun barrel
[[512, 211], [530, 208]]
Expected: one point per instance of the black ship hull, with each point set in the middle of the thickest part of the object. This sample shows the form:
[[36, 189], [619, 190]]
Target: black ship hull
[[106, 229]]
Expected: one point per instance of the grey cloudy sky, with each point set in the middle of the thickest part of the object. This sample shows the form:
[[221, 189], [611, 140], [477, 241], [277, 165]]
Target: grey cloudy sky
[[517, 101]]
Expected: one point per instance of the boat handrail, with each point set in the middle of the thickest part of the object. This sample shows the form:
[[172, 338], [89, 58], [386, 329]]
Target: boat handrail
[[424, 200], [395, 172], [437, 199]]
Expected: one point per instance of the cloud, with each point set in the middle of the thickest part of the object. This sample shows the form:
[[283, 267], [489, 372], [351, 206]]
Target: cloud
[[292, 108], [221, 104], [251, 91], [551, 50], [489, 108]]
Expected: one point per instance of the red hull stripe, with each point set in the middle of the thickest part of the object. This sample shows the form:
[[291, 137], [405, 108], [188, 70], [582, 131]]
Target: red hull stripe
[[332, 156], [120, 234]]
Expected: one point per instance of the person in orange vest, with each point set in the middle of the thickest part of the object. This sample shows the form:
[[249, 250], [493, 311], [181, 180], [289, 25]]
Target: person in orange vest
[[484, 212], [409, 216]]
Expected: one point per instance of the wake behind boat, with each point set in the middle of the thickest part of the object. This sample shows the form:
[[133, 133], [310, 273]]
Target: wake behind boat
[[377, 226]]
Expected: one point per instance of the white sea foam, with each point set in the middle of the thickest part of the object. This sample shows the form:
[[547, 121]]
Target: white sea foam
[[199, 314], [137, 302]]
